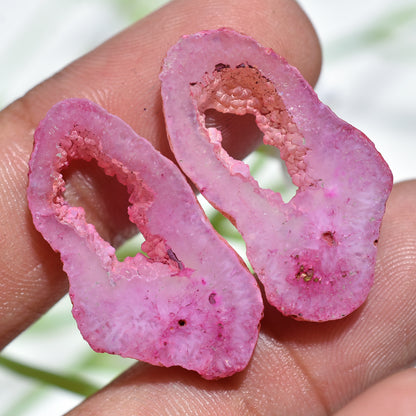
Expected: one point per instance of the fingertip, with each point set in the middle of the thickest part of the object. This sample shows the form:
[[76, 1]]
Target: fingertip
[[394, 395], [122, 74], [396, 256]]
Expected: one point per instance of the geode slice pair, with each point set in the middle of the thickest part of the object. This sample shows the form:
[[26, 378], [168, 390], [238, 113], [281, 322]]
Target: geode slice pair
[[190, 301]]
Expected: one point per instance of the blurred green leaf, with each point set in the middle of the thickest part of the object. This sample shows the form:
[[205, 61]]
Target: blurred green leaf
[[73, 384]]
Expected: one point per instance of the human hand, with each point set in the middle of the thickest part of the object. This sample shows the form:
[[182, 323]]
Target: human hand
[[298, 367]]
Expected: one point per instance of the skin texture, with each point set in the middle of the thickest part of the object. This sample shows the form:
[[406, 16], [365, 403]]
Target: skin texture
[[298, 368]]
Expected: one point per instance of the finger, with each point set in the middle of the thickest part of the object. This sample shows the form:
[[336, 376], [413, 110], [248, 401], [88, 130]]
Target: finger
[[122, 76], [392, 396], [299, 368]]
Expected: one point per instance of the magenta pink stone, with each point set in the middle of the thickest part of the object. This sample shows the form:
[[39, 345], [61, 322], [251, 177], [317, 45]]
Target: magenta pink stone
[[192, 303], [315, 255]]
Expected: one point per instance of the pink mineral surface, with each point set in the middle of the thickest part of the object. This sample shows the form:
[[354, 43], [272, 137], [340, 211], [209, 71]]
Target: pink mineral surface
[[315, 255], [192, 303]]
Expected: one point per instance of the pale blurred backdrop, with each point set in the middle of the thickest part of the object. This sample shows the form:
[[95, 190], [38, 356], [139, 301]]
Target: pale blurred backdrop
[[368, 79]]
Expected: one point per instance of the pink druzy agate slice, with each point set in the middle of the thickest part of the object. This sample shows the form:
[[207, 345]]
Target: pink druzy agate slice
[[191, 303], [316, 254]]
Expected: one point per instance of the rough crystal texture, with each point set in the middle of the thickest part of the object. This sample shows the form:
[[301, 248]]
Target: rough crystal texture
[[192, 303], [315, 255]]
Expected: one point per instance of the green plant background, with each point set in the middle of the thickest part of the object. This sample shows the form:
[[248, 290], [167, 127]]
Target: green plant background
[[367, 79]]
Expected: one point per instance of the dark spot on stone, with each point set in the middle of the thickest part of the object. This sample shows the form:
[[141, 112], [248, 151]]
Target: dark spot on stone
[[328, 237], [219, 67], [182, 322], [192, 84], [211, 298], [242, 65], [173, 257], [375, 242]]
